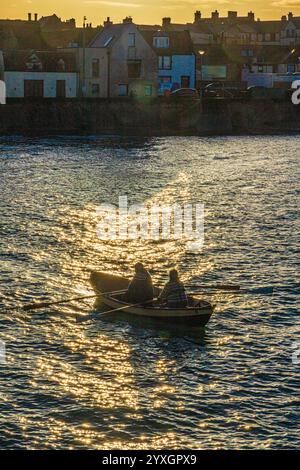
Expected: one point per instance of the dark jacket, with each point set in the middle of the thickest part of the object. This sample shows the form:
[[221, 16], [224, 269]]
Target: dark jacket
[[140, 288]]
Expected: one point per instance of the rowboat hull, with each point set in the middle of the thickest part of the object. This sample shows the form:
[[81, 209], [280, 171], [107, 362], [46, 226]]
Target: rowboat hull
[[197, 314]]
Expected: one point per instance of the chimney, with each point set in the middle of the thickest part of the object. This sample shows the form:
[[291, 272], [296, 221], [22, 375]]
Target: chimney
[[166, 22], [197, 17], [128, 19], [215, 15], [35, 17], [107, 22], [29, 16], [232, 15], [283, 18], [72, 23], [290, 16], [251, 16]]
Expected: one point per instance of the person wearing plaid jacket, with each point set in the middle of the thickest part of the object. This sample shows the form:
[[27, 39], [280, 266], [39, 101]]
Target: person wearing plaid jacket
[[174, 294]]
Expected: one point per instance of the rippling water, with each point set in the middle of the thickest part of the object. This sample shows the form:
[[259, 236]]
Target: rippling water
[[118, 383]]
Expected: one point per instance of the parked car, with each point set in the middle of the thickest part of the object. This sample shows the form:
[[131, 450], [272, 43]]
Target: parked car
[[257, 91], [264, 93], [221, 90], [185, 93]]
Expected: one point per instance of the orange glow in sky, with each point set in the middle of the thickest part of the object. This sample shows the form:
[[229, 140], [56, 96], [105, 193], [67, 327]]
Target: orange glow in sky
[[144, 11]]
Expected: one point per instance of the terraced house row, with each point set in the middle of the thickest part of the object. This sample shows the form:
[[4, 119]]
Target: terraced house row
[[50, 58]]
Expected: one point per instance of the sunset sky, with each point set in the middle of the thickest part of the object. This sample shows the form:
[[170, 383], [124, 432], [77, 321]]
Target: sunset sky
[[144, 11]]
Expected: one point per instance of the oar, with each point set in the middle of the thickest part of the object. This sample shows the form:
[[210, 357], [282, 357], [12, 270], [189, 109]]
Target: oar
[[255, 291], [36, 306], [216, 287], [119, 309]]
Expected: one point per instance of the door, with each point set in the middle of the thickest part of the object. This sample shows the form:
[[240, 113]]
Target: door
[[185, 81], [60, 88], [34, 88]]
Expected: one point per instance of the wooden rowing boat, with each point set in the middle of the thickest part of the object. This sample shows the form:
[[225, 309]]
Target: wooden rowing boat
[[198, 312]]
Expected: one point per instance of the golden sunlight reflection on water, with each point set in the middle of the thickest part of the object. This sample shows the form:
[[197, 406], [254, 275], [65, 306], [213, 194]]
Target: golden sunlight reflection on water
[[115, 381]]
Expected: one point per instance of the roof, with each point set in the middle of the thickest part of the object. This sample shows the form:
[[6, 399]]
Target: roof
[[64, 38], [233, 53], [109, 35], [22, 35], [296, 21], [50, 19], [202, 27], [269, 26], [40, 61], [277, 55], [214, 55], [180, 42]]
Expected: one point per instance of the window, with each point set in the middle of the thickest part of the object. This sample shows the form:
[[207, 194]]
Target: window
[[291, 68], [131, 39], [95, 89], [107, 43], [95, 68], [134, 69], [161, 41], [33, 88], [60, 88], [247, 52], [265, 69], [148, 90], [123, 90], [165, 62], [165, 79]]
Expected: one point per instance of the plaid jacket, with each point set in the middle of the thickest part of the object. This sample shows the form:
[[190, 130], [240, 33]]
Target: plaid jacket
[[173, 293]]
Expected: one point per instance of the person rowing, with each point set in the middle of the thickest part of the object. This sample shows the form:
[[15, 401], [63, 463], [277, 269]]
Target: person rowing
[[174, 294], [140, 289]]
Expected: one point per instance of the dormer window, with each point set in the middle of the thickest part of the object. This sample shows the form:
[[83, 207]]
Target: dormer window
[[61, 65], [34, 64], [161, 42]]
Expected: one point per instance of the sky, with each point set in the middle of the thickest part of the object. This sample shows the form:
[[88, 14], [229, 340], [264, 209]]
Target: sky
[[144, 11]]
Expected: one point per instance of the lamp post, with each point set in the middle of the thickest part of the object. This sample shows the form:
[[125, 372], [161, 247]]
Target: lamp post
[[83, 57], [201, 54]]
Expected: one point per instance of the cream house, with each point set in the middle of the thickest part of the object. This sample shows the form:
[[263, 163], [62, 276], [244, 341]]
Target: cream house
[[118, 62]]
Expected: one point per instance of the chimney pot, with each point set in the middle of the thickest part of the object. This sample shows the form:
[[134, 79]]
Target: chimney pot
[[166, 21], [35, 17], [107, 22], [232, 15], [197, 17], [215, 15], [29, 16], [128, 19]]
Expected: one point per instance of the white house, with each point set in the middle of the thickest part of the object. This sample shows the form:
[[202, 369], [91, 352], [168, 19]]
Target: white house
[[40, 74]]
